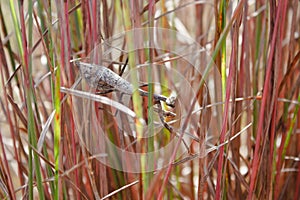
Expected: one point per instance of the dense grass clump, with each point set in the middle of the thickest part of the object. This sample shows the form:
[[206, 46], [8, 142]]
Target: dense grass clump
[[231, 67]]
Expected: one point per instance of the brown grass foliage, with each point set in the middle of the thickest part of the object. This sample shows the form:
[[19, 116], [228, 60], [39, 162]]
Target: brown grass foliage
[[48, 132]]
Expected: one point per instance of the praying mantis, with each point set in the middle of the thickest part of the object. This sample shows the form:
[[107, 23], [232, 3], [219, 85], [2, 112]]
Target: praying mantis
[[102, 78]]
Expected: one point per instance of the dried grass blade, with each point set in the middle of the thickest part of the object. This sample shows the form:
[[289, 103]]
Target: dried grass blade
[[98, 98], [44, 131]]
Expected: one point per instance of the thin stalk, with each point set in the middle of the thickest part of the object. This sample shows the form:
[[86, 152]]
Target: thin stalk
[[129, 19], [49, 33], [16, 26], [256, 66], [223, 48], [136, 98], [291, 129], [57, 97], [31, 94], [150, 140], [57, 130]]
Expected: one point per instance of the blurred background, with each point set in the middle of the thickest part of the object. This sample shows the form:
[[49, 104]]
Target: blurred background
[[253, 47]]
